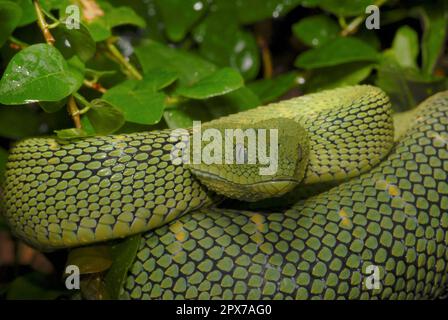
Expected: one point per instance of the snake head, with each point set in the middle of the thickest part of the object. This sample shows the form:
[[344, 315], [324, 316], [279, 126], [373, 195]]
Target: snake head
[[248, 158]]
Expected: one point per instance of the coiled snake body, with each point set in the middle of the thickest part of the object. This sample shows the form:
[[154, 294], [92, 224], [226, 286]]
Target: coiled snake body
[[392, 220]]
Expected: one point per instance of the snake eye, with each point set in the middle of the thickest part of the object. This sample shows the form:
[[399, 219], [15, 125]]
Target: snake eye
[[241, 155], [299, 152]]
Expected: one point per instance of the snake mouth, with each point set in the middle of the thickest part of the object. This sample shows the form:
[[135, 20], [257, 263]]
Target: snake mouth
[[247, 191]]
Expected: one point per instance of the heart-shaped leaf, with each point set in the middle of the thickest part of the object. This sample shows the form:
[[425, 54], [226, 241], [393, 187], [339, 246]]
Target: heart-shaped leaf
[[10, 14], [337, 51], [104, 117], [39, 73], [316, 30], [269, 90], [180, 15], [74, 41], [92, 259], [72, 133], [221, 82], [138, 106], [188, 66]]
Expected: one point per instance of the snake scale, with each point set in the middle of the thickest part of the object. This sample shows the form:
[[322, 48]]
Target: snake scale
[[393, 217]]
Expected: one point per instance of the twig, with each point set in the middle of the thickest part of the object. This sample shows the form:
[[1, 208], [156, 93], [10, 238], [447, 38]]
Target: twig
[[43, 23], [266, 57], [74, 112], [87, 105], [17, 44], [131, 70], [173, 100], [94, 85], [352, 27]]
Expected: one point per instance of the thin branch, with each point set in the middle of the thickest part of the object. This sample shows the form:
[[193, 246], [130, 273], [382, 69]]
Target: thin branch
[[352, 27], [94, 85], [17, 44], [43, 23], [173, 100], [74, 112], [266, 57], [118, 56]]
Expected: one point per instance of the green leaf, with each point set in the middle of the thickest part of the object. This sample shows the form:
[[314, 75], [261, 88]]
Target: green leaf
[[229, 46], [138, 106], [182, 116], [180, 15], [119, 16], [189, 67], [32, 286], [74, 41], [405, 47], [52, 106], [221, 82], [77, 70], [269, 90], [345, 8], [435, 23], [3, 160], [28, 13], [122, 16], [157, 79], [316, 30], [367, 36], [38, 73], [250, 11], [100, 28], [233, 102], [338, 76], [91, 259], [72, 133], [123, 255], [10, 14], [335, 52], [104, 117]]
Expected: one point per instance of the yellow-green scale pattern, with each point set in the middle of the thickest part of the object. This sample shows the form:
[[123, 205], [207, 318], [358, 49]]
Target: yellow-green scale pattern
[[69, 194], [394, 217]]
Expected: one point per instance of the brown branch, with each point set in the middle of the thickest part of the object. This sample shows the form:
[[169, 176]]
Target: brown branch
[[43, 23], [266, 57], [95, 86], [16, 44], [74, 112]]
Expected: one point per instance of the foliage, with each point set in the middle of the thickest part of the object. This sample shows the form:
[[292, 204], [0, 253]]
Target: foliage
[[138, 65]]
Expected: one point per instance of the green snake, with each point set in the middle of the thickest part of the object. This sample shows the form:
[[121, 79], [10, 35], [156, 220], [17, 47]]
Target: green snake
[[393, 216]]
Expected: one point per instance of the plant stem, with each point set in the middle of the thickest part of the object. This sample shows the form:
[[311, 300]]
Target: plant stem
[[353, 26], [43, 23], [266, 57], [81, 99], [173, 100], [74, 111], [131, 70], [95, 85], [18, 44]]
